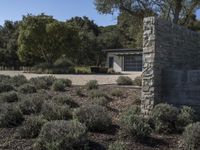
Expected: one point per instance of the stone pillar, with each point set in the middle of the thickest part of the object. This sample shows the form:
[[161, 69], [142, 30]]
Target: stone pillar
[[148, 88]]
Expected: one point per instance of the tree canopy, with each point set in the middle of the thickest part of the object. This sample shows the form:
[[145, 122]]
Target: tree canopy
[[8, 44], [44, 37], [93, 39], [175, 10], [132, 12]]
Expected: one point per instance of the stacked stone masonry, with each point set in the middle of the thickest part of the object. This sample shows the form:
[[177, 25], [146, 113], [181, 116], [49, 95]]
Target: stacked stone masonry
[[171, 59]]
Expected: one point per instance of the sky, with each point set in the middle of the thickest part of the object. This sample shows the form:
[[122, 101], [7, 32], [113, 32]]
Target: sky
[[59, 9]]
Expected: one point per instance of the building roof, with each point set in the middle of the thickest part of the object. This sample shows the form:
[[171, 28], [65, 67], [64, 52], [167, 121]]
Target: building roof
[[124, 50]]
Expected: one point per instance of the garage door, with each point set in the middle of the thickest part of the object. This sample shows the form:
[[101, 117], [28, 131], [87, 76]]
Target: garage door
[[133, 63]]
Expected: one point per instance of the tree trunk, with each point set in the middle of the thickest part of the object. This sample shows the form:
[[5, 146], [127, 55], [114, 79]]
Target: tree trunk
[[178, 7], [190, 12]]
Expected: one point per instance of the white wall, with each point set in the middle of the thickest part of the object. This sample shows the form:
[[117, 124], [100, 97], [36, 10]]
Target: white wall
[[118, 65]]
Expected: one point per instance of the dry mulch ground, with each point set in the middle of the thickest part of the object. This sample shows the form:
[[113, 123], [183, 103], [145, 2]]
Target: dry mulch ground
[[99, 141]]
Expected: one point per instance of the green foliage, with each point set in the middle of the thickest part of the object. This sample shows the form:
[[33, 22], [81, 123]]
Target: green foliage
[[117, 145], [63, 63], [191, 136], [137, 81], [97, 94], [169, 10], [132, 12], [61, 135], [42, 82], [5, 87], [42, 30], [18, 80], [89, 52], [56, 68], [14, 81], [61, 84], [82, 70], [8, 44], [79, 92], [9, 97], [4, 78], [185, 117], [133, 110], [52, 111], [71, 70], [134, 125], [27, 89], [61, 66], [58, 85], [95, 117], [124, 80], [110, 37], [98, 70], [65, 100], [116, 92], [67, 82], [103, 101], [43, 39], [31, 127], [11, 116], [31, 104], [130, 30], [92, 84], [164, 117]]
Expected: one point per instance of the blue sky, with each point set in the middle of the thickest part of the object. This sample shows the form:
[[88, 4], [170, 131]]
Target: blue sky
[[60, 9]]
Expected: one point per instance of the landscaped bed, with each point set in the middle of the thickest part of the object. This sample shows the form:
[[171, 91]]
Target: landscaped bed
[[49, 113]]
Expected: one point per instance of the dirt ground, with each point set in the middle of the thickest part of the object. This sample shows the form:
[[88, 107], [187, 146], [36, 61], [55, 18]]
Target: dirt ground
[[99, 141]]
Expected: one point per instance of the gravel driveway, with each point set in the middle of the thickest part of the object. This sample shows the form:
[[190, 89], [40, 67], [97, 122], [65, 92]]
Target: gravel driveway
[[78, 79]]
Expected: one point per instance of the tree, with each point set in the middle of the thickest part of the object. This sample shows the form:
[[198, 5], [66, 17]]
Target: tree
[[177, 10], [8, 44], [132, 12], [88, 33], [130, 30], [44, 37], [169, 9], [84, 24], [93, 40], [110, 37]]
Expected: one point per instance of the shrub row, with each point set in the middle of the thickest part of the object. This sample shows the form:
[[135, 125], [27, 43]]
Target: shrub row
[[169, 119], [31, 104], [92, 84], [42, 82], [61, 135], [125, 80], [10, 116], [52, 111], [31, 127], [15, 81], [65, 100], [95, 117], [11, 96], [134, 125], [191, 136], [61, 84]]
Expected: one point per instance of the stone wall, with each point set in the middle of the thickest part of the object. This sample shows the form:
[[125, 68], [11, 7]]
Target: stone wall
[[166, 47], [181, 87]]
